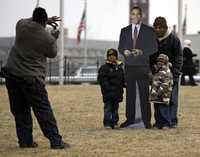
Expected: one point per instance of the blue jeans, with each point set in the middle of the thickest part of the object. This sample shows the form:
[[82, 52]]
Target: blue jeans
[[167, 115], [111, 116], [174, 104], [162, 115]]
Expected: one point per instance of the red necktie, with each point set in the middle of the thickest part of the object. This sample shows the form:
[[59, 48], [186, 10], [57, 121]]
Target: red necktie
[[135, 37]]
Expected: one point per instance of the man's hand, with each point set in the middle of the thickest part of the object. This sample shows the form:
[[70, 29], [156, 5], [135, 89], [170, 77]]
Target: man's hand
[[137, 52], [55, 33], [52, 21], [127, 53]]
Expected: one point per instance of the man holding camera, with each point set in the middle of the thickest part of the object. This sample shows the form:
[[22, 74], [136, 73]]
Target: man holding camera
[[25, 79]]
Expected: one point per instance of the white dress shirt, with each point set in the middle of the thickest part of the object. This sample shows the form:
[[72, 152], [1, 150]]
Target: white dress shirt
[[133, 28]]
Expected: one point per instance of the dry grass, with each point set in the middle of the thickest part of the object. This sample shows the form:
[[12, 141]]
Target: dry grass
[[79, 112]]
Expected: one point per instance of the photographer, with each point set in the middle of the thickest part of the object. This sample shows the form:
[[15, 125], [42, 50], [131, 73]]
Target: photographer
[[25, 79]]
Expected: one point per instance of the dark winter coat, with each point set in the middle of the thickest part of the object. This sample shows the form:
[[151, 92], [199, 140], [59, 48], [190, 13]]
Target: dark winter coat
[[170, 45], [188, 65], [111, 80], [33, 45]]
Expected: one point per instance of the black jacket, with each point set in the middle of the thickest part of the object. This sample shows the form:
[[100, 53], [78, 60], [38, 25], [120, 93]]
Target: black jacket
[[33, 45], [111, 80], [171, 46], [188, 65]]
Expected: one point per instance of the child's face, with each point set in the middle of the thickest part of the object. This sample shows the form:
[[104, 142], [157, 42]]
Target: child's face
[[112, 58], [160, 63], [160, 30]]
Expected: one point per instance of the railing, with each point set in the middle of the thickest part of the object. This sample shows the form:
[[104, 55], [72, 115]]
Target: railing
[[70, 65]]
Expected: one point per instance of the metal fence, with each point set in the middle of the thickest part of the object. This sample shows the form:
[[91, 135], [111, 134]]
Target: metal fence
[[74, 71]]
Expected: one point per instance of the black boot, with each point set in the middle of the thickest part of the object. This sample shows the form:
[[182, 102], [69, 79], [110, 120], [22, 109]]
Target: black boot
[[28, 145], [60, 145]]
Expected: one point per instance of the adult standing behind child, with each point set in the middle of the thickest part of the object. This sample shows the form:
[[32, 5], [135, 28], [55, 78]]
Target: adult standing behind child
[[170, 45]]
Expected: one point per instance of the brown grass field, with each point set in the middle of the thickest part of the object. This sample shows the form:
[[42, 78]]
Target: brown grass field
[[79, 112]]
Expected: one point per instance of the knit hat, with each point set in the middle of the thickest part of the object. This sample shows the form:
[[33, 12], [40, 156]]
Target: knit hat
[[163, 58], [40, 15], [112, 52], [160, 21]]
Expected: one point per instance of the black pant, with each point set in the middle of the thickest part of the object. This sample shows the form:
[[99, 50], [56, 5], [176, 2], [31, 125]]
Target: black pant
[[25, 94], [111, 116], [139, 75]]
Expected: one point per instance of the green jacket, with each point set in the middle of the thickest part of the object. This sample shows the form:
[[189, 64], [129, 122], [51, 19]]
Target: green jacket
[[33, 44]]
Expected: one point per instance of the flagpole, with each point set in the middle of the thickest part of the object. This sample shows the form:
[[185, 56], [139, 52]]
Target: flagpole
[[180, 33], [61, 44], [37, 4], [185, 20], [85, 34]]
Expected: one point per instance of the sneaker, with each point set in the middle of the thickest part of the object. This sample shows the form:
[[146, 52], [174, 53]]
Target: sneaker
[[107, 127], [174, 126], [165, 128], [61, 145], [28, 145], [126, 124]]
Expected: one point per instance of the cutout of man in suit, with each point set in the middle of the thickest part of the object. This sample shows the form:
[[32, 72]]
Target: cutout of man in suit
[[137, 42]]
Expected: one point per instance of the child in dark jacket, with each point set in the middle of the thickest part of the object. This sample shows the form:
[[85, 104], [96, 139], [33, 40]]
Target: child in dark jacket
[[111, 80]]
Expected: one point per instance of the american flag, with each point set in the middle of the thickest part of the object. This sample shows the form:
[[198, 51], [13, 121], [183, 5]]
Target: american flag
[[81, 26]]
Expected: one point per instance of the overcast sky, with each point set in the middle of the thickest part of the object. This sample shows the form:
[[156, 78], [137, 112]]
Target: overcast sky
[[105, 17]]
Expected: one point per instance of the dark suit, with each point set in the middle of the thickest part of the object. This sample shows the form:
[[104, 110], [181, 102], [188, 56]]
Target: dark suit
[[137, 69]]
